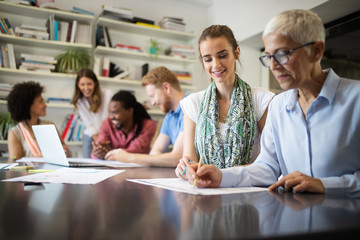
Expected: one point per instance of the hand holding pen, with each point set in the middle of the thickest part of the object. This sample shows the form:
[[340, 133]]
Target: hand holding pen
[[182, 166], [203, 175]]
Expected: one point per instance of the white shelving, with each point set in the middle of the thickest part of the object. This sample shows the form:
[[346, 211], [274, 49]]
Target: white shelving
[[137, 83], [43, 43], [143, 30], [37, 12], [140, 55], [61, 84]]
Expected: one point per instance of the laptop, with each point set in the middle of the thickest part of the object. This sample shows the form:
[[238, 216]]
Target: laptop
[[52, 150]]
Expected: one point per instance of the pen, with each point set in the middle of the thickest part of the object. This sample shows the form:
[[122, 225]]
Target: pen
[[184, 171], [196, 178]]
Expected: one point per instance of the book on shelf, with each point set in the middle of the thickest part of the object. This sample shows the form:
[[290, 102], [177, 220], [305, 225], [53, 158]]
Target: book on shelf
[[82, 11], [67, 126], [56, 30], [68, 36], [7, 26], [38, 58], [123, 12], [31, 33], [5, 89], [73, 31], [183, 76], [64, 27], [50, 26], [57, 100], [33, 27], [73, 128], [180, 51], [143, 20], [128, 47], [147, 25], [98, 65], [100, 36], [7, 56], [83, 33], [107, 37], [172, 23], [37, 62], [105, 67]]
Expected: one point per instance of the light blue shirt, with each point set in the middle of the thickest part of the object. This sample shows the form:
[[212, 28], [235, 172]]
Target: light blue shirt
[[325, 144], [173, 124]]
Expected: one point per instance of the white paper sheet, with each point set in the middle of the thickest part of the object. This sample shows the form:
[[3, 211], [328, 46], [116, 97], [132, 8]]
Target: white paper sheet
[[7, 166], [113, 164], [179, 185], [68, 175]]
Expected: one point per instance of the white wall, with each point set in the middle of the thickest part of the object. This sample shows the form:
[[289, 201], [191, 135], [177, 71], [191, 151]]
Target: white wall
[[248, 18]]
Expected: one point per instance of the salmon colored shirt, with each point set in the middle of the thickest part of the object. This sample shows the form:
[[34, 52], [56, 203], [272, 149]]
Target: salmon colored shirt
[[130, 143]]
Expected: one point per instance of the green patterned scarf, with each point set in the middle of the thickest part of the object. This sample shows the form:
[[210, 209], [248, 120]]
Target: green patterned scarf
[[240, 127]]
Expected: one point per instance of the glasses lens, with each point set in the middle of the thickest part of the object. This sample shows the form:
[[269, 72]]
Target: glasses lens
[[281, 57], [265, 60]]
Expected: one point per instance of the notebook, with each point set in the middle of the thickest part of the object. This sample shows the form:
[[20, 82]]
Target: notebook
[[52, 150]]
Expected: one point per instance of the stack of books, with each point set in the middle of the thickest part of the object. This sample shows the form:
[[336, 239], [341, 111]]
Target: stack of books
[[117, 13], [32, 31], [181, 51], [172, 23], [7, 56], [183, 76], [5, 27], [37, 63], [5, 89], [73, 128]]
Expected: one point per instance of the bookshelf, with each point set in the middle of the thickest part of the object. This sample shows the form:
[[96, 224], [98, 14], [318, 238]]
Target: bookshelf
[[139, 36], [61, 84]]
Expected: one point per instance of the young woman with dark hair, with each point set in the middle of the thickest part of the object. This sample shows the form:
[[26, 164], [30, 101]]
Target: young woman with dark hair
[[92, 103]]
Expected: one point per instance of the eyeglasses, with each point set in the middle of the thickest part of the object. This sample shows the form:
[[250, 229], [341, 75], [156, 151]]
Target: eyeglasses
[[281, 57]]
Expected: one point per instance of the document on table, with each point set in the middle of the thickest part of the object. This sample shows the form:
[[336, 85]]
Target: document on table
[[179, 185], [113, 164], [69, 175], [7, 166]]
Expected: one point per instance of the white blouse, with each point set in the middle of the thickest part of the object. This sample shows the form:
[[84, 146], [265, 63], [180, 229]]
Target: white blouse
[[92, 121], [260, 97]]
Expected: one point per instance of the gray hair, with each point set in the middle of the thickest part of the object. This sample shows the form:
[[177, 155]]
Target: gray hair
[[302, 26]]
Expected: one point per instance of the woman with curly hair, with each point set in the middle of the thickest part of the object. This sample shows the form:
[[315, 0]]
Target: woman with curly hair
[[26, 106]]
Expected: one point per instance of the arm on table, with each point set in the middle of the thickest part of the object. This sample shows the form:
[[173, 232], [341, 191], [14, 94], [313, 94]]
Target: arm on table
[[168, 159]]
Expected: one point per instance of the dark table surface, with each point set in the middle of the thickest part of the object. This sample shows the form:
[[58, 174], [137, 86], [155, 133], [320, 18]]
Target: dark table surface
[[119, 209]]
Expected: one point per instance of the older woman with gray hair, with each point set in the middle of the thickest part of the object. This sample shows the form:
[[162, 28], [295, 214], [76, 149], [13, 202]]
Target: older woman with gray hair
[[312, 133]]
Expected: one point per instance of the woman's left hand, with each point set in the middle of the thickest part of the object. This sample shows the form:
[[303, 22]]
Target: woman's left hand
[[299, 182]]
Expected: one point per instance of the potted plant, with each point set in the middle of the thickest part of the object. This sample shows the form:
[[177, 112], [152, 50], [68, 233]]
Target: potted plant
[[72, 61], [154, 47], [5, 124]]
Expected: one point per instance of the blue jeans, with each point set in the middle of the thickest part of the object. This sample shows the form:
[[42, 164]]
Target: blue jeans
[[87, 146]]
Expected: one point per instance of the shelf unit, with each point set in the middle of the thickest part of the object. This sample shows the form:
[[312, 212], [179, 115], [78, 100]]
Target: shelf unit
[[61, 84], [138, 35]]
